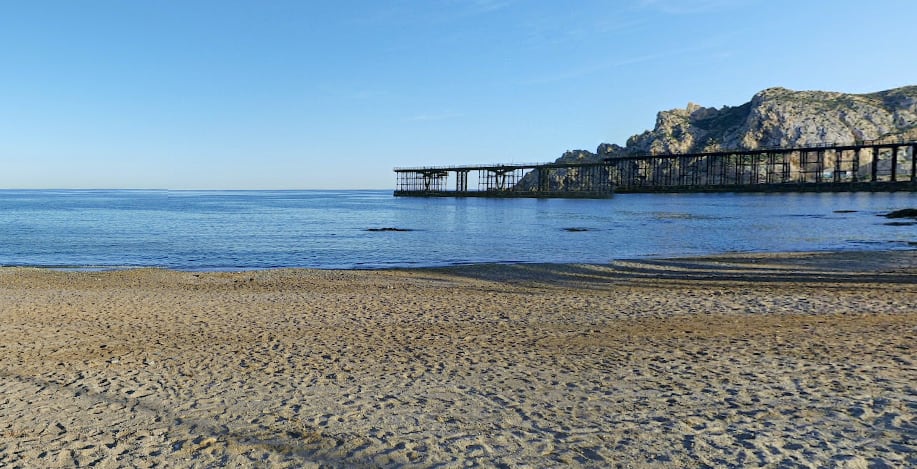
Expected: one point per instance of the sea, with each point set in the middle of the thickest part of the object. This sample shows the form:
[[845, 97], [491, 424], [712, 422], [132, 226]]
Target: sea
[[370, 229]]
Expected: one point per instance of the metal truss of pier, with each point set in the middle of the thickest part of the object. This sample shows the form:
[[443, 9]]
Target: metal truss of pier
[[589, 180], [868, 166], [842, 168]]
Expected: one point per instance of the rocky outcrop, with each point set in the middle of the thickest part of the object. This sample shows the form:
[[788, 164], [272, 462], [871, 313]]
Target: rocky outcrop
[[775, 117]]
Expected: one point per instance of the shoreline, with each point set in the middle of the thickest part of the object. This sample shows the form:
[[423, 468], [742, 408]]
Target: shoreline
[[868, 256], [762, 359]]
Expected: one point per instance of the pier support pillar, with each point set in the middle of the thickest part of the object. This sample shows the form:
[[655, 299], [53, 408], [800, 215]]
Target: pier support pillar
[[838, 155], [856, 165], [913, 163], [461, 181], [875, 164], [542, 179], [894, 164]]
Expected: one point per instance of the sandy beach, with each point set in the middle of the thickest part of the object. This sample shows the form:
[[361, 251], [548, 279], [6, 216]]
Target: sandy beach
[[780, 360]]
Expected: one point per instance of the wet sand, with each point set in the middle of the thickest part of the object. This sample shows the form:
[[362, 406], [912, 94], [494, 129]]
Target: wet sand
[[745, 360]]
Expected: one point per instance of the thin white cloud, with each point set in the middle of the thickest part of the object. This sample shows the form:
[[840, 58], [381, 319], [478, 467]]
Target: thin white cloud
[[394, 14], [366, 95], [481, 6], [434, 117], [589, 70], [540, 32], [688, 7], [712, 47], [615, 25]]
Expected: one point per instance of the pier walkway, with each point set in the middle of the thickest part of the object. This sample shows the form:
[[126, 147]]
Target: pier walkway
[[866, 166]]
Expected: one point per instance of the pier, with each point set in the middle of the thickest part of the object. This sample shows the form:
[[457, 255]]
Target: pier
[[865, 166], [575, 180]]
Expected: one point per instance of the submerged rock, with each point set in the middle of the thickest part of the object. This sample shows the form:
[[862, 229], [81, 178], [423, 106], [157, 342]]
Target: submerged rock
[[903, 213]]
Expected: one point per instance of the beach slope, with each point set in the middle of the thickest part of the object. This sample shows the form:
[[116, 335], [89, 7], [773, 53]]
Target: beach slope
[[745, 360]]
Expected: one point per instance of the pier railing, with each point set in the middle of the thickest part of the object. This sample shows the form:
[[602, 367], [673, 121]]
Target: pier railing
[[865, 166]]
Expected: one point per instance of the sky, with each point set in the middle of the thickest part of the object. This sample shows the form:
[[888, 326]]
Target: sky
[[229, 94]]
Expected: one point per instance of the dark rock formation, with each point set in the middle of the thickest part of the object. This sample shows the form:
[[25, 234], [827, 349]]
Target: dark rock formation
[[775, 117], [903, 213]]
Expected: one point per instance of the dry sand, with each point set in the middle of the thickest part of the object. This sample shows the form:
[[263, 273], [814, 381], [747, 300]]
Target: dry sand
[[771, 360]]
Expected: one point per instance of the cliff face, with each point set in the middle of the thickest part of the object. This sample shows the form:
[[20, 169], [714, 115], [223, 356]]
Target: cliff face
[[775, 117]]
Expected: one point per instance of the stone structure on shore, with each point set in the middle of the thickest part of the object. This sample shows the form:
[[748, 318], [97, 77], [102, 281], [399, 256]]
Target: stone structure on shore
[[775, 117]]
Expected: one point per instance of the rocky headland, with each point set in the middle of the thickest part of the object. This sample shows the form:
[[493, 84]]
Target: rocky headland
[[775, 117]]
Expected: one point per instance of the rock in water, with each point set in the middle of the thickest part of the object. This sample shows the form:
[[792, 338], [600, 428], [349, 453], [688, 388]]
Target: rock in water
[[903, 213]]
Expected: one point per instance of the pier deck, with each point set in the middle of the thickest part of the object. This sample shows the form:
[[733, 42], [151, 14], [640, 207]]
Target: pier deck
[[867, 166]]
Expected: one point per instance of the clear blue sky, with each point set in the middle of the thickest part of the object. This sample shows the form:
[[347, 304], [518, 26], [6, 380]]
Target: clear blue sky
[[334, 94]]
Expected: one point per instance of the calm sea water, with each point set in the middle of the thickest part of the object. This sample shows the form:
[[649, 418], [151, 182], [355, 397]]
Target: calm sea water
[[212, 230]]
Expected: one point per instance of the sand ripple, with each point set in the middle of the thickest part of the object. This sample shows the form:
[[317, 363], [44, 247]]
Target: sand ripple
[[784, 361]]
